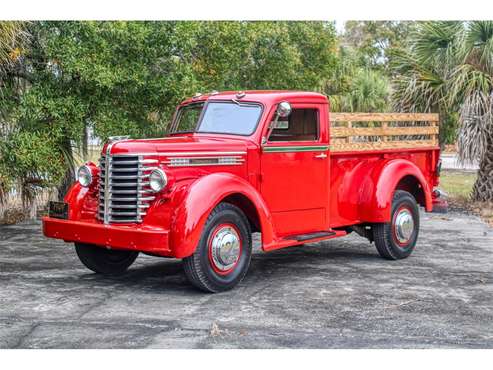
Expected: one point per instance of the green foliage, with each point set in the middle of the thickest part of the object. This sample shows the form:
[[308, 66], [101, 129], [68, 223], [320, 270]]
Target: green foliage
[[263, 55], [369, 91], [31, 154], [126, 78], [448, 68], [375, 41], [444, 67], [13, 37], [356, 88]]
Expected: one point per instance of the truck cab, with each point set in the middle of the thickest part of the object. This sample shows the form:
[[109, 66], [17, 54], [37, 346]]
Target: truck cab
[[234, 163]]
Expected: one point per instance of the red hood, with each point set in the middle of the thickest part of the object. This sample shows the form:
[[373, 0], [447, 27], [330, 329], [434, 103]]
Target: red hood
[[177, 144]]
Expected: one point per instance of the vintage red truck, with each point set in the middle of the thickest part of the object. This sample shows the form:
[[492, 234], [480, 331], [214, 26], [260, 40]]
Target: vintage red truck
[[234, 163]]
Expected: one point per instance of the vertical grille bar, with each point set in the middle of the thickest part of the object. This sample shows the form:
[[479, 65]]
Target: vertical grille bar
[[107, 194], [102, 188], [139, 187]]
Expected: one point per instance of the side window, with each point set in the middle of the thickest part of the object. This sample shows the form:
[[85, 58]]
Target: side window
[[300, 125]]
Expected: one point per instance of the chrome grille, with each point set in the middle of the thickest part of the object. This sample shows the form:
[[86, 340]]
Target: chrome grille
[[124, 192]]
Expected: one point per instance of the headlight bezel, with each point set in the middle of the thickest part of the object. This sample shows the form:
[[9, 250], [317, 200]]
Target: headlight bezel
[[88, 175], [159, 175]]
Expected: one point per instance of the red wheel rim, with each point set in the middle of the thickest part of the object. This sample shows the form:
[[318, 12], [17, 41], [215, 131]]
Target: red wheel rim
[[403, 225], [224, 248]]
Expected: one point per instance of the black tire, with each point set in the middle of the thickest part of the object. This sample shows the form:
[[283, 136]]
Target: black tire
[[105, 261], [200, 268], [389, 243]]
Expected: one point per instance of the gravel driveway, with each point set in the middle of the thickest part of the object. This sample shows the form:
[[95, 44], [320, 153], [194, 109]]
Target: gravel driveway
[[331, 294]]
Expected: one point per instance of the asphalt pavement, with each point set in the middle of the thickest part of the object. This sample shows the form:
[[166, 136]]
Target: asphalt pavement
[[335, 294]]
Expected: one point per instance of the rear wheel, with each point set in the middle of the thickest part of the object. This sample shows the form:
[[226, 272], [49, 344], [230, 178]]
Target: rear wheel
[[223, 254], [105, 261], [397, 239]]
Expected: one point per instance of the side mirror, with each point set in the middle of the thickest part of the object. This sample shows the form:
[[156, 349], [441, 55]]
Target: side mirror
[[283, 109]]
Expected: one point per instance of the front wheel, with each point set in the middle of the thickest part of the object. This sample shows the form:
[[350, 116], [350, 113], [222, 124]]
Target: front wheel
[[105, 261], [223, 254], [397, 239]]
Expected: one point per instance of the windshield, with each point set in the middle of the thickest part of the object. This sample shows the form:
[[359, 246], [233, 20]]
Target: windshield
[[220, 117]]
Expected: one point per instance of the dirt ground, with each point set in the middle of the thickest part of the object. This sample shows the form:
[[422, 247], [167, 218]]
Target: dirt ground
[[335, 294]]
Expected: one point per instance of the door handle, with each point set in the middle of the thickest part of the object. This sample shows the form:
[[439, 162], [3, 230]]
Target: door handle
[[321, 156]]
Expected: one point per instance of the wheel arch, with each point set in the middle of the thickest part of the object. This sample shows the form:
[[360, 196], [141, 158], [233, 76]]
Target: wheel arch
[[412, 185], [202, 196], [395, 174], [247, 207]]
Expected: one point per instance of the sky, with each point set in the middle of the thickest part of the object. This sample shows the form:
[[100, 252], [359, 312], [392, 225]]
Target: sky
[[340, 26]]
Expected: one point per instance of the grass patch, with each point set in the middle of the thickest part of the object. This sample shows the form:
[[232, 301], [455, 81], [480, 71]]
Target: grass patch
[[457, 184]]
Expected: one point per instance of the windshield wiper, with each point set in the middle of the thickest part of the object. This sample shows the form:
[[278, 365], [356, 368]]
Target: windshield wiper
[[241, 104]]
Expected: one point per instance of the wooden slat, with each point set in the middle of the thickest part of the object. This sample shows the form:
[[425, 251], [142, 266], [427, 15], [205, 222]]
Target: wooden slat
[[383, 117], [384, 127], [349, 127], [357, 146], [379, 131], [346, 137]]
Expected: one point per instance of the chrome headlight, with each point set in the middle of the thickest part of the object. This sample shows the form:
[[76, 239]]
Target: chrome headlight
[[157, 180], [84, 175]]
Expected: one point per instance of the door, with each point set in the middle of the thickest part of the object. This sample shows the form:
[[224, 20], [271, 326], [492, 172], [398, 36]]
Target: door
[[295, 163]]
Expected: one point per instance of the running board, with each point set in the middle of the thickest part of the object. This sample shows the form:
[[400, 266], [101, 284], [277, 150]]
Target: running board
[[293, 240], [305, 237]]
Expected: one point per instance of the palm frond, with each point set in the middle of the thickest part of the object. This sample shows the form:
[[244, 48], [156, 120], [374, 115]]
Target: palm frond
[[478, 45]]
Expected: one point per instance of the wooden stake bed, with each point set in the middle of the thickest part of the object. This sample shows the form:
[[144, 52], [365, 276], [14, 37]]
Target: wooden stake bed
[[374, 131]]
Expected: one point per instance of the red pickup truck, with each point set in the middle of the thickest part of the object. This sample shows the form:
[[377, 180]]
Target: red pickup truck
[[234, 163]]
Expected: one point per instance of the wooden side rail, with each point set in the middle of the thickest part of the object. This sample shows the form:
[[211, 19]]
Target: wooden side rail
[[374, 131]]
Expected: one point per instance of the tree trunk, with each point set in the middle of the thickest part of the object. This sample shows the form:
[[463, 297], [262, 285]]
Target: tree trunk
[[69, 177], [483, 187], [85, 142], [67, 181]]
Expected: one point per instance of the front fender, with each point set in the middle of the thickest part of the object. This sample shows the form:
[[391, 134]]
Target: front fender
[[376, 205], [200, 198], [82, 202]]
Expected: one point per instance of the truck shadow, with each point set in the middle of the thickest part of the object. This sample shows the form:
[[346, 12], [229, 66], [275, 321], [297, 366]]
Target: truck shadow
[[167, 274]]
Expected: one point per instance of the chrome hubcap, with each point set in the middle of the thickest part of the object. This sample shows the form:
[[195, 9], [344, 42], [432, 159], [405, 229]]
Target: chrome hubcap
[[225, 248], [404, 226]]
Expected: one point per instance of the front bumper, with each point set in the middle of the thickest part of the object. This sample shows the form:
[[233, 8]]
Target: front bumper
[[130, 237]]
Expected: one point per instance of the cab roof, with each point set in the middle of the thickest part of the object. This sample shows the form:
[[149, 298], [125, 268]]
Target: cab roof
[[261, 96]]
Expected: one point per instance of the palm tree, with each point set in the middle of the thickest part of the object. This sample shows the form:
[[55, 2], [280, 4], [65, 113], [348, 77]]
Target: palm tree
[[12, 37], [370, 92], [355, 88], [448, 68]]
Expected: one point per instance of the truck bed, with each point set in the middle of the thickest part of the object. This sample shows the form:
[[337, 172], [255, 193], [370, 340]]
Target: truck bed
[[362, 141]]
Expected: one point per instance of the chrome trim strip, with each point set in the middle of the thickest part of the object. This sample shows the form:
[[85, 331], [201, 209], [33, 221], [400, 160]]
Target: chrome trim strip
[[203, 165], [220, 161], [294, 149]]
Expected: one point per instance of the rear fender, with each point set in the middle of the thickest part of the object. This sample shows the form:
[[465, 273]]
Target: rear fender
[[200, 198], [375, 205]]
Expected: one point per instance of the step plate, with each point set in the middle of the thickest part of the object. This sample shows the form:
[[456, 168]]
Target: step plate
[[304, 237]]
